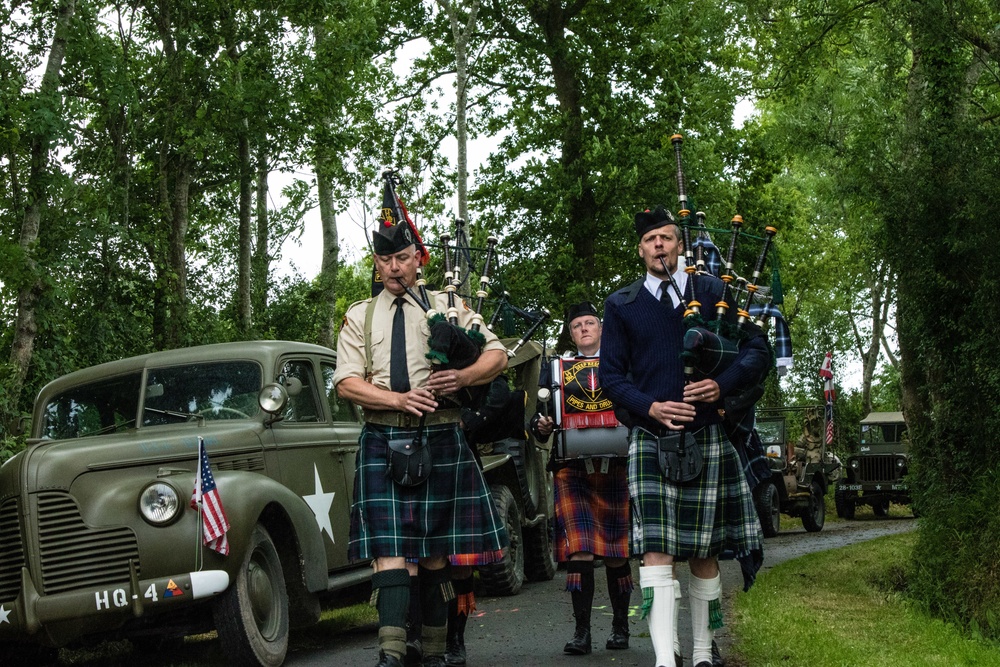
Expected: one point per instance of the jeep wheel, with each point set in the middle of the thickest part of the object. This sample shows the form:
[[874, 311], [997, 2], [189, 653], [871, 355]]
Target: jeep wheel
[[251, 616], [881, 507], [768, 508], [539, 561], [815, 515], [506, 576]]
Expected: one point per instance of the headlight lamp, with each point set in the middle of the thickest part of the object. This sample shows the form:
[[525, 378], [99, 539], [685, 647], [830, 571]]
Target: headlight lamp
[[159, 503]]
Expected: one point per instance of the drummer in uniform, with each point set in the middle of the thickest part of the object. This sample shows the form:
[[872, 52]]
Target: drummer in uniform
[[591, 493], [382, 366]]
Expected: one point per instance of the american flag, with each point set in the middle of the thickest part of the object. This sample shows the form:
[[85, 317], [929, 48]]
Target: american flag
[[826, 372], [213, 516]]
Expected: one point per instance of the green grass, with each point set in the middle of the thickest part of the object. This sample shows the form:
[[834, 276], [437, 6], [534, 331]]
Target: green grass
[[847, 608]]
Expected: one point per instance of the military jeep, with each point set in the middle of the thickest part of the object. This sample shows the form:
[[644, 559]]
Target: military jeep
[[515, 469], [876, 474], [801, 469], [97, 533]]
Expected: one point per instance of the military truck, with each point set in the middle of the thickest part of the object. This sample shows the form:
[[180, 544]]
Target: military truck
[[515, 469], [801, 469], [98, 536], [876, 474]]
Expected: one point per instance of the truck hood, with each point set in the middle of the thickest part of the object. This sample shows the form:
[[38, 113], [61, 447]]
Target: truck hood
[[53, 465]]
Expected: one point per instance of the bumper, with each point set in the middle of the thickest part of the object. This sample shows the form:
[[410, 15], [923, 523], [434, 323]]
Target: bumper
[[99, 608]]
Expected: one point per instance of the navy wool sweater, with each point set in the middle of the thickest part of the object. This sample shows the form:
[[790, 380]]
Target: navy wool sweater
[[641, 349]]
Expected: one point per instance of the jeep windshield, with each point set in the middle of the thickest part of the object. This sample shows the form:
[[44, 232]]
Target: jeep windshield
[[173, 395]]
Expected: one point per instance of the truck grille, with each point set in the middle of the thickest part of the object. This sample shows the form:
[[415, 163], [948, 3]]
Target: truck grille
[[75, 555], [11, 551], [877, 469]]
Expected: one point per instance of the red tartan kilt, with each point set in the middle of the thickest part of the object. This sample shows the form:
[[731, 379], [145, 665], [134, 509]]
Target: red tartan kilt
[[592, 512]]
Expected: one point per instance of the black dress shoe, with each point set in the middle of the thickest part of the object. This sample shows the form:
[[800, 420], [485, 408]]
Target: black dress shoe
[[579, 644], [704, 663], [386, 660], [678, 660], [414, 653], [618, 640], [717, 659], [433, 661]]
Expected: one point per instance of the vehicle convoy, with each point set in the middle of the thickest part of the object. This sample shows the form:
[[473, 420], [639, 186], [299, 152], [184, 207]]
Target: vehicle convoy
[[801, 470], [98, 536], [876, 474]]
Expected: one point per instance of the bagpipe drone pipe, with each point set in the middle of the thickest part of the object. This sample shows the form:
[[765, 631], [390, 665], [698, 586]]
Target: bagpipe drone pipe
[[492, 410], [714, 333]]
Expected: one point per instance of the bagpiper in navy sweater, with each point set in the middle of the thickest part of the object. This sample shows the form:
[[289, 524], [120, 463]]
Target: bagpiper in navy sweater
[[641, 350]]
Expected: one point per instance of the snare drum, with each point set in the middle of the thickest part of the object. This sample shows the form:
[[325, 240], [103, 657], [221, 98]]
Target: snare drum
[[586, 418]]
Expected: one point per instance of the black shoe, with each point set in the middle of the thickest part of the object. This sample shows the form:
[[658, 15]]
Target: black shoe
[[386, 660], [454, 655], [704, 663], [678, 660], [717, 659], [579, 644], [414, 653], [433, 661], [618, 640]]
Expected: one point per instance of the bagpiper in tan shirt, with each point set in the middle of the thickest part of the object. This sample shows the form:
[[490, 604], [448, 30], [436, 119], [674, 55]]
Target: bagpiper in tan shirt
[[351, 341]]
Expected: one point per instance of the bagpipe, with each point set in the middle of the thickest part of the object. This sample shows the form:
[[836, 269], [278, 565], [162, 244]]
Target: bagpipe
[[712, 344], [452, 346]]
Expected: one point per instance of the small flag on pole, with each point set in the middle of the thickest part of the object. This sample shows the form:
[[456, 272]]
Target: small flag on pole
[[826, 372], [213, 516]]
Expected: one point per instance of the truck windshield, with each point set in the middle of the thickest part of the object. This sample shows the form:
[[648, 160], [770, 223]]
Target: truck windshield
[[175, 394], [219, 390], [92, 409]]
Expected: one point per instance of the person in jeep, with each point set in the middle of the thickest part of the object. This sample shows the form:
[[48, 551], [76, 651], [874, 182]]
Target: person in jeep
[[426, 511]]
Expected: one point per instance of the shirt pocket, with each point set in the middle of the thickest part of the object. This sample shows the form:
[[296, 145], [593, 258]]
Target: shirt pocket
[[380, 351]]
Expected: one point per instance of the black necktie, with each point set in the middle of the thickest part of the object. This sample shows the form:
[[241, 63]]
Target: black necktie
[[665, 294], [399, 375]]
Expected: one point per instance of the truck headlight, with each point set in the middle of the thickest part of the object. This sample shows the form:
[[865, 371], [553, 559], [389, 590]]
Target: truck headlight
[[159, 503], [855, 464], [900, 463]]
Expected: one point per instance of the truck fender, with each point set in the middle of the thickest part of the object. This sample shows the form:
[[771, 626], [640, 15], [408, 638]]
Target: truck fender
[[248, 498]]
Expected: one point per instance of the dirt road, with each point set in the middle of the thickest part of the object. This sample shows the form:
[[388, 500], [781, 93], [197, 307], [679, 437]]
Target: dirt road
[[529, 629]]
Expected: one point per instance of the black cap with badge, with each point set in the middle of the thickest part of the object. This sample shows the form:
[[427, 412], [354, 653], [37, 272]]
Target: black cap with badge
[[647, 220], [579, 310]]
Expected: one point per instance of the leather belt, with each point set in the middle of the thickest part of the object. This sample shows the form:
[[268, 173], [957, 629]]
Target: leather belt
[[409, 420]]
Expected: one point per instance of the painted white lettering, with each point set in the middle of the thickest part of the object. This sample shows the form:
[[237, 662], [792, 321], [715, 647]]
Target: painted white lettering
[[151, 593], [120, 598], [102, 600]]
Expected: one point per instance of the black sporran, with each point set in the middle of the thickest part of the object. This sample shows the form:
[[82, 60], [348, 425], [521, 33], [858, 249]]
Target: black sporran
[[680, 457], [409, 460]]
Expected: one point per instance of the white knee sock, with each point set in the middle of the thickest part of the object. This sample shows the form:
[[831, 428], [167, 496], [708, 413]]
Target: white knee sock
[[702, 592], [657, 585], [677, 613]]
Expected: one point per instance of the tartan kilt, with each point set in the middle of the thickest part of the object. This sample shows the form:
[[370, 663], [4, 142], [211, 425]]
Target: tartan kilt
[[697, 519], [591, 510], [451, 513]]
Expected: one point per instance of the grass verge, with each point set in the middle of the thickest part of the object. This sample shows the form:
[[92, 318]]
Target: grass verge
[[847, 608]]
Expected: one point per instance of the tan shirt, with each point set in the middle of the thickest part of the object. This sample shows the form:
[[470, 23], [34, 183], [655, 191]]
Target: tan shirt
[[351, 341]]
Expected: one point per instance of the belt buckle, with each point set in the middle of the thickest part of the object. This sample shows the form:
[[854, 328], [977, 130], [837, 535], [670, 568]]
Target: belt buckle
[[404, 420]]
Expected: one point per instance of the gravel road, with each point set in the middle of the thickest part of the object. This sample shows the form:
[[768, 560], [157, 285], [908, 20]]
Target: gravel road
[[529, 629]]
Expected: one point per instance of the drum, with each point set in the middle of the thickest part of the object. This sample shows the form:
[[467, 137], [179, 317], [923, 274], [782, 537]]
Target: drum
[[586, 418]]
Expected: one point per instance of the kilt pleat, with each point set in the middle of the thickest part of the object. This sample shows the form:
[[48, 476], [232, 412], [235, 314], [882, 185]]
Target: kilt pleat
[[697, 519], [451, 513], [591, 509]]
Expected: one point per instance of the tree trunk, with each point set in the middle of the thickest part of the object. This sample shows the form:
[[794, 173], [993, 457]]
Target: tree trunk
[[261, 260], [48, 101]]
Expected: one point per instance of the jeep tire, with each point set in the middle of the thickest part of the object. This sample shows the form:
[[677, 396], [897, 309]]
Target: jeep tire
[[768, 505], [539, 560], [251, 616], [506, 576], [814, 517], [880, 507]]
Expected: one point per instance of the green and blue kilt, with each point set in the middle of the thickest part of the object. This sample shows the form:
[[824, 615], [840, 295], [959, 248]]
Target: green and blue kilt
[[451, 513], [697, 519], [591, 509]]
